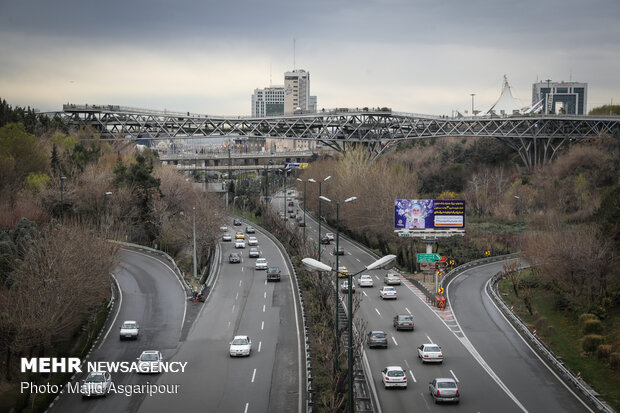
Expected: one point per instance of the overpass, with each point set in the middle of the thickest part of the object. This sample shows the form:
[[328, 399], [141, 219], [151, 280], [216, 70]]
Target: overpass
[[536, 138]]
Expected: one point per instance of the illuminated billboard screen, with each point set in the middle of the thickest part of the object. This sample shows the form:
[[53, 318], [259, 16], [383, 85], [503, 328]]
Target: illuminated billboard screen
[[429, 214]]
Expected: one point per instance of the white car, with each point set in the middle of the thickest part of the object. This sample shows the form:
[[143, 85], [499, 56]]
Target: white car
[[224, 228], [150, 362], [261, 264], [239, 243], [366, 281], [240, 346], [345, 286], [430, 353], [252, 241], [391, 279], [388, 292], [227, 237], [97, 383], [129, 329], [394, 376], [330, 236]]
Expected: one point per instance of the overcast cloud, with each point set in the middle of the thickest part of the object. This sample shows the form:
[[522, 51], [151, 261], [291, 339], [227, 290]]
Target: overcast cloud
[[423, 56]]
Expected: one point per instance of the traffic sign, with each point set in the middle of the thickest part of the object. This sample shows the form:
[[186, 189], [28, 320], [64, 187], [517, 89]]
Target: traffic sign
[[431, 258], [440, 290]]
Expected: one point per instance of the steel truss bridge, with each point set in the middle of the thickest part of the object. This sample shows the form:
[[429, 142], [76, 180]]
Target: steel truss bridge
[[537, 138]]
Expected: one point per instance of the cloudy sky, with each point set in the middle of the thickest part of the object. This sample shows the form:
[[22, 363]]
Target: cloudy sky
[[420, 56]]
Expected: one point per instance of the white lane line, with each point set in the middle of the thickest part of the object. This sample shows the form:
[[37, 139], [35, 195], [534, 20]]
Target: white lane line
[[229, 324], [263, 308], [265, 282], [265, 294], [253, 375], [242, 268], [240, 281], [118, 310], [260, 343], [408, 310], [358, 260], [378, 312], [233, 309], [429, 339], [394, 340], [246, 408], [377, 277], [262, 325], [412, 376], [453, 375], [407, 363], [237, 296], [365, 293]]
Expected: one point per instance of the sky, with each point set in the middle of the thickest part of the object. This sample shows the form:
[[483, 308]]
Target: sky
[[416, 56]]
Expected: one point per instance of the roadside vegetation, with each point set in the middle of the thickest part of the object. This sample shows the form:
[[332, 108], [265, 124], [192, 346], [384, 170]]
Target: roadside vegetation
[[63, 194]]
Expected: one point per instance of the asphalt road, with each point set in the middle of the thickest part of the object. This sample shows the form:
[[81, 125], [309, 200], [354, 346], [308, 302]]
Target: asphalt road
[[153, 296], [494, 368], [241, 302]]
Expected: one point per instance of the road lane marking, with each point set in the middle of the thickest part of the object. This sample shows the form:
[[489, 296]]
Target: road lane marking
[[365, 293], [253, 375], [240, 281], [412, 376], [229, 324], [394, 340], [408, 310], [260, 343], [429, 339], [237, 296], [378, 312], [407, 363], [233, 309], [454, 375], [118, 310], [265, 294], [262, 325], [263, 308], [246, 407]]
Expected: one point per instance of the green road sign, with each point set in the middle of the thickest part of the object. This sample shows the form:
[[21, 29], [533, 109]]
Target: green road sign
[[428, 258]]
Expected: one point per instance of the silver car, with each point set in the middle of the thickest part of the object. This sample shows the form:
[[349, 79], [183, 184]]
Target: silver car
[[444, 390], [97, 383], [391, 279], [129, 330]]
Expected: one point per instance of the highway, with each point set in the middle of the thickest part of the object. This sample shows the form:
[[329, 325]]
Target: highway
[[241, 302], [495, 370], [152, 295]]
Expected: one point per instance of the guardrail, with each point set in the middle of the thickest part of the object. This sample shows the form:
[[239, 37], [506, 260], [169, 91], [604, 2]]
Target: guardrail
[[569, 378]]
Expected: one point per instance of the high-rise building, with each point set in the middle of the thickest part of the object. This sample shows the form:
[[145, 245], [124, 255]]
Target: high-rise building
[[568, 98], [297, 92], [268, 101]]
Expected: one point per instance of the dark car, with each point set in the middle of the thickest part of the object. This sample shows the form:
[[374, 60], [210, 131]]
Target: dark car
[[292, 215], [234, 258], [377, 339], [290, 209], [325, 240], [236, 222], [254, 253], [302, 223], [403, 322], [339, 251], [250, 230], [291, 203], [273, 274]]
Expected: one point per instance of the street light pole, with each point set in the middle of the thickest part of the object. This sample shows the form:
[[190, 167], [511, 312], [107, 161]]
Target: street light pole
[[386, 262], [472, 103], [195, 270], [520, 228], [319, 218], [304, 208], [105, 210]]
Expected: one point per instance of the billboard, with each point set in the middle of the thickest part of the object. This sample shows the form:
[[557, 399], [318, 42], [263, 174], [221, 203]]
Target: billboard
[[429, 214]]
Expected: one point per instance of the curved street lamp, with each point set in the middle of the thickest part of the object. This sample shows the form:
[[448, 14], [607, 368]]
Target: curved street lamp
[[320, 182]]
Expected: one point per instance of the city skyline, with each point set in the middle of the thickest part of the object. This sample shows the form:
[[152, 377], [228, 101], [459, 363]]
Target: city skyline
[[413, 56]]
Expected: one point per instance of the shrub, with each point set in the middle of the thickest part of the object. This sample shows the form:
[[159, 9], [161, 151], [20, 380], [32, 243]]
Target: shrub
[[592, 327], [550, 330], [603, 351], [591, 342], [541, 323], [585, 317], [614, 360]]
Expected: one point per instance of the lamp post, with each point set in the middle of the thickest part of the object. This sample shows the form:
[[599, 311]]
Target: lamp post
[[62, 203], [105, 210], [520, 229], [386, 262], [472, 103], [195, 271], [304, 227], [320, 182], [336, 341]]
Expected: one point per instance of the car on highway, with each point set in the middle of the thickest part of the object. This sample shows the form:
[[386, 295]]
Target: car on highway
[[391, 279], [240, 346], [325, 240], [291, 203], [252, 241], [150, 361], [129, 330], [227, 237], [250, 230], [237, 222], [388, 292], [342, 271], [430, 353], [302, 223], [403, 322], [444, 390], [97, 383], [377, 338], [345, 286], [261, 264], [366, 281], [394, 376], [240, 243], [239, 235], [300, 216], [254, 253], [224, 228], [234, 258], [273, 274], [330, 236], [290, 209], [339, 251], [292, 215]]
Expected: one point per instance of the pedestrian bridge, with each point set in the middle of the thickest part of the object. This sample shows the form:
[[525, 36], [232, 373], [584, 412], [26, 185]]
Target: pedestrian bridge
[[537, 138]]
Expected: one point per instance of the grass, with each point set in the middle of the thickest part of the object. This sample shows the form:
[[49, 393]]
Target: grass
[[565, 340]]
